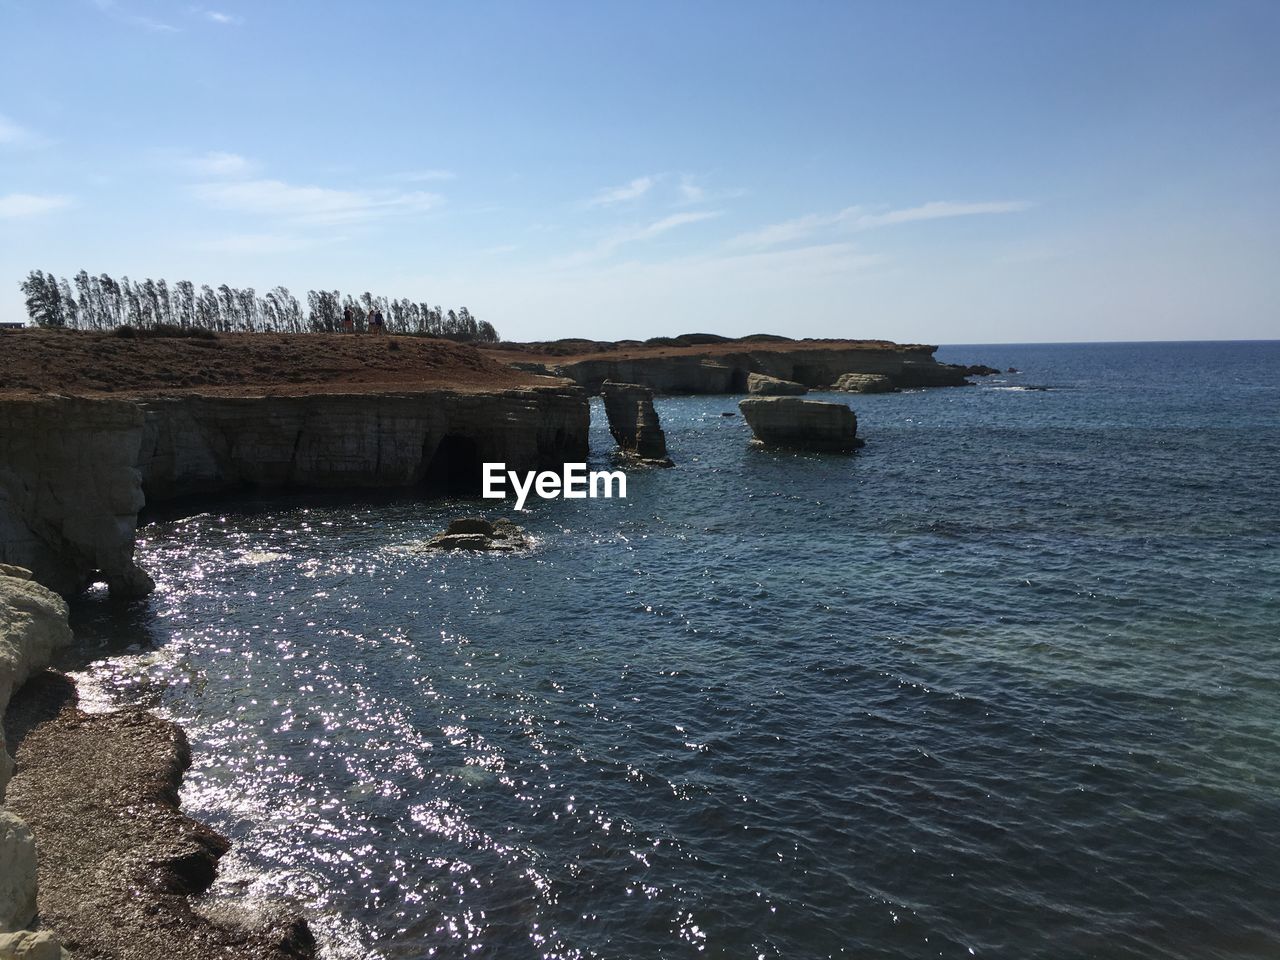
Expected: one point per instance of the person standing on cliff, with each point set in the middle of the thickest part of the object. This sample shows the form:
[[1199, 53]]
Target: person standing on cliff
[[348, 321], [379, 322]]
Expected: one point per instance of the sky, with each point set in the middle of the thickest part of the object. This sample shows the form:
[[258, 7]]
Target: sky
[[935, 172]]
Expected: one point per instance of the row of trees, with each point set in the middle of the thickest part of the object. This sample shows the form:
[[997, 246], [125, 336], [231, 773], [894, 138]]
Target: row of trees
[[103, 303]]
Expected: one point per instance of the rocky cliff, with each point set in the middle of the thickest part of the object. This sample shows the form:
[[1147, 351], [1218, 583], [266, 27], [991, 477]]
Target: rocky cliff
[[70, 491], [435, 439], [74, 472]]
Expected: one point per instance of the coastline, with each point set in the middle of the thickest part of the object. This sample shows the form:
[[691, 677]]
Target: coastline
[[93, 428], [118, 859]]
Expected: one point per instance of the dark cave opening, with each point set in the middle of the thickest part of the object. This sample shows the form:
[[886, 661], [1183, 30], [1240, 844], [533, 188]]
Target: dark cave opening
[[455, 468]]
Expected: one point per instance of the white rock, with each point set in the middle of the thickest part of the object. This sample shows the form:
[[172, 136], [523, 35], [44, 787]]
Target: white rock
[[31, 945], [17, 873], [33, 626]]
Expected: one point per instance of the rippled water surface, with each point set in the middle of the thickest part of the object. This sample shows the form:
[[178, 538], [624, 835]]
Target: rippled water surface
[[1005, 683]]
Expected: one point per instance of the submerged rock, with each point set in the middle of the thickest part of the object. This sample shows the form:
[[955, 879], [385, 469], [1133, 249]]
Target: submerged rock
[[802, 424], [761, 384], [634, 423], [478, 533], [865, 383]]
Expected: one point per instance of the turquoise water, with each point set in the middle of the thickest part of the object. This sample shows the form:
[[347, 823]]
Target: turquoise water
[[1005, 683]]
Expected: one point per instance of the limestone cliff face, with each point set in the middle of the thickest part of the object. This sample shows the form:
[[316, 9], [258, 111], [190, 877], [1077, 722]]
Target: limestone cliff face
[[70, 491], [75, 472], [195, 444], [728, 372]]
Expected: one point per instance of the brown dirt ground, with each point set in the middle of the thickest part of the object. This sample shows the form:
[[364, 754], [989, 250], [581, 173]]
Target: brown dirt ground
[[118, 862], [101, 364]]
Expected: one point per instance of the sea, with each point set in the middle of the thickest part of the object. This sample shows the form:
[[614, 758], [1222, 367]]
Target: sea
[[1004, 683]]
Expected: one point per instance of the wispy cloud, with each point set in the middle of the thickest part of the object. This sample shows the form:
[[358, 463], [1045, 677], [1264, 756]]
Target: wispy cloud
[[658, 227], [632, 190], [619, 238], [218, 163], [690, 192], [218, 17], [13, 134], [275, 198], [422, 176], [112, 9], [624, 296], [859, 218], [755, 269], [264, 244], [155, 26], [15, 205], [939, 210]]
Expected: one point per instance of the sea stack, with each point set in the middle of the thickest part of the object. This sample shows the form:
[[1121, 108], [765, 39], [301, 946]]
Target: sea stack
[[634, 423], [802, 424]]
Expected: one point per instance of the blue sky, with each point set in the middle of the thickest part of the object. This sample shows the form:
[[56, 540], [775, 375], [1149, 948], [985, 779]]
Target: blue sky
[[923, 171]]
